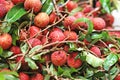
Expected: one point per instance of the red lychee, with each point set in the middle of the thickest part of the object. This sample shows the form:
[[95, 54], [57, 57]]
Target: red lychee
[[117, 77], [87, 9], [68, 22], [96, 51], [8, 4], [37, 76], [23, 76], [33, 4], [59, 58], [71, 35], [34, 42], [56, 35], [18, 1], [3, 10], [109, 19], [33, 31], [5, 40], [53, 17], [98, 23], [79, 15], [72, 62], [71, 5], [41, 20], [98, 4], [23, 34], [15, 50]]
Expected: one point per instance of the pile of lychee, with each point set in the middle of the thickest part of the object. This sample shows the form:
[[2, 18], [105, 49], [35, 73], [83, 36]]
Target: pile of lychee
[[54, 34]]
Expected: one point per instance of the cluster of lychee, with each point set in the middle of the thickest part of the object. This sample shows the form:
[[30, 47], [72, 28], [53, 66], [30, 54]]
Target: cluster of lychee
[[39, 34]]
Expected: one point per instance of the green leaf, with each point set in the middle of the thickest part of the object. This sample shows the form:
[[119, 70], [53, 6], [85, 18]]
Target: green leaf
[[75, 11], [31, 63], [47, 7], [99, 74], [3, 65], [89, 23], [60, 70], [43, 1], [47, 77], [72, 47], [9, 73], [24, 47], [2, 77], [1, 50], [13, 15], [106, 5], [6, 54], [97, 36], [93, 60], [117, 4], [10, 77], [34, 49], [110, 60], [52, 70]]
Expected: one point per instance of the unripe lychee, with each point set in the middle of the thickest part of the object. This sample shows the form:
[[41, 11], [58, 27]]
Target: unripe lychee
[[33, 4], [18, 1], [96, 51], [72, 62], [68, 22], [56, 35], [98, 23], [41, 20], [34, 42], [59, 58], [71, 35], [71, 5], [3, 10]]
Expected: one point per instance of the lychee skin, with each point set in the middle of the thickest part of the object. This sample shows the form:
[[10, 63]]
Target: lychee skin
[[18, 1], [33, 31], [96, 50], [117, 77], [23, 76], [5, 40], [79, 15], [68, 22], [3, 10], [37, 76], [71, 35], [98, 23], [23, 34], [87, 9], [59, 58], [15, 50], [53, 17], [41, 20], [56, 35], [34, 42], [8, 4], [36, 5], [72, 62], [71, 5], [109, 19]]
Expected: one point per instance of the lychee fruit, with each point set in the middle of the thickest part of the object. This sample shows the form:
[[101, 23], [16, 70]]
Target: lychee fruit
[[5, 40], [23, 34], [41, 20], [71, 5], [59, 58], [34, 42], [8, 4], [37, 76], [117, 77], [98, 23], [96, 51], [15, 50], [33, 31], [72, 62], [71, 35], [18, 1], [68, 22], [3, 10], [53, 17], [23, 76], [56, 35], [36, 5]]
